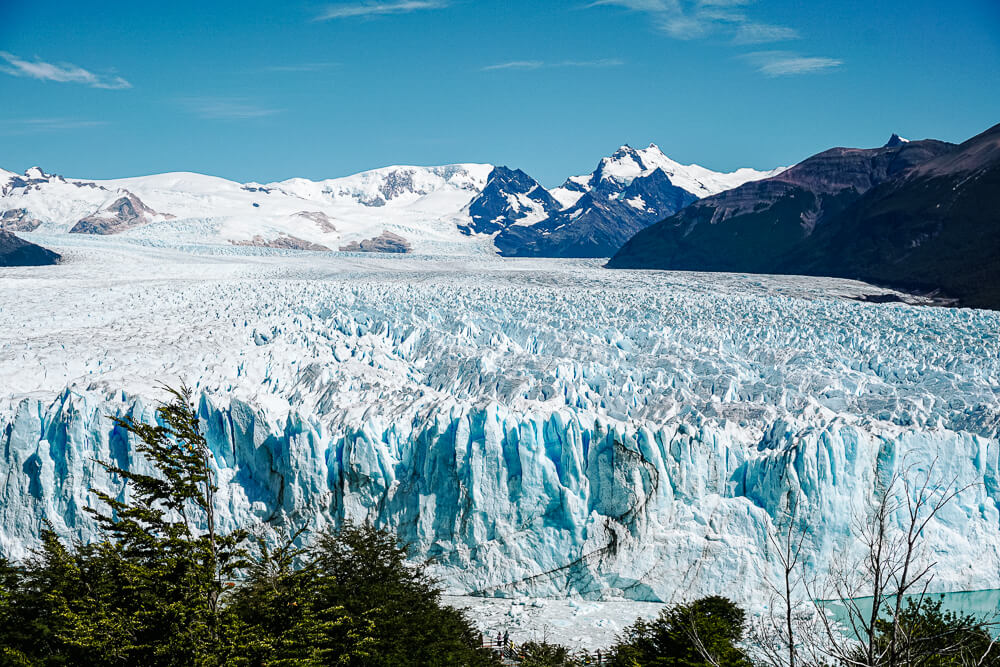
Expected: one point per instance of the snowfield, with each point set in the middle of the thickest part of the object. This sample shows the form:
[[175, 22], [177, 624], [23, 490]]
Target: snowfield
[[540, 428]]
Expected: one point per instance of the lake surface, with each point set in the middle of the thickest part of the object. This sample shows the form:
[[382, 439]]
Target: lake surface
[[983, 604]]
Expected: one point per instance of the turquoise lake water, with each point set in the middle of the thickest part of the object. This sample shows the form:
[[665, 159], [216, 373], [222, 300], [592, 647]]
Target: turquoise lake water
[[982, 604]]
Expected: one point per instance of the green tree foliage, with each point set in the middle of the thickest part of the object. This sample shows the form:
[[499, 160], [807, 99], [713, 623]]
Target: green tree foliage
[[367, 572], [544, 654], [150, 592], [351, 598], [704, 633], [929, 636], [278, 616]]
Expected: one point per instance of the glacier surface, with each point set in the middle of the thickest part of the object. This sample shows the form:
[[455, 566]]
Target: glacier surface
[[537, 427]]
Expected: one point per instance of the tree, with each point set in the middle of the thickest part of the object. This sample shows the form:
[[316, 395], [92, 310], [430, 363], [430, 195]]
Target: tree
[[171, 571], [892, 568], [788, 633], [367, 572], [280, 616], [150, 592], [704, 633], [544, 654], [931, 637]]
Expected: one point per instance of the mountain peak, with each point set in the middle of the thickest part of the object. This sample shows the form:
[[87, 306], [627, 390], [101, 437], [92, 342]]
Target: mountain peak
[[895, 140], [35, 172]]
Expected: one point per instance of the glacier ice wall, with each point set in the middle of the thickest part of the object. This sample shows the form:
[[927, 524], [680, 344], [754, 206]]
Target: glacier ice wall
[[537, 428]]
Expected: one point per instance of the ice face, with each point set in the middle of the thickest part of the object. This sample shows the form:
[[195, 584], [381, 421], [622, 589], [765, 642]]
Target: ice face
[[537, 427]]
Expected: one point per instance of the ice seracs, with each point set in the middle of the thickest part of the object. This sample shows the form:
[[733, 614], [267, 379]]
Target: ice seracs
[[542, 428]]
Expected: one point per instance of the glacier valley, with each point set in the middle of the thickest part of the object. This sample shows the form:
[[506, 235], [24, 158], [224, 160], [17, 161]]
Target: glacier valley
[[539, 428]]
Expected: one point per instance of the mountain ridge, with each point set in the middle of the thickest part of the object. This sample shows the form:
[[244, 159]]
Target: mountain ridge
[[459, 208], [917, 215]]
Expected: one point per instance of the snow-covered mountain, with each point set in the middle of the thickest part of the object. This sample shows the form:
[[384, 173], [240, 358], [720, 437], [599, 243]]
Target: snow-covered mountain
[[599, 212], [921, 215], [454, 209], [510, 197], [418, 203], [628, 164]]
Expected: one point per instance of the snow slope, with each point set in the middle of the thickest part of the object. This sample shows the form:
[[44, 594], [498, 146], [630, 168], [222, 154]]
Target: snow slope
[[421, 204], [541, 428], [628, 164]]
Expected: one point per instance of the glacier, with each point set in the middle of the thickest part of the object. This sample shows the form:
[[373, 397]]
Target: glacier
[[541, 428]]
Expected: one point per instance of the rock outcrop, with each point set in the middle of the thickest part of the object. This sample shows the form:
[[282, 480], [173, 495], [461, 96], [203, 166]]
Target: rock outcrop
[[124, 213], [286, 242], [386, 242]]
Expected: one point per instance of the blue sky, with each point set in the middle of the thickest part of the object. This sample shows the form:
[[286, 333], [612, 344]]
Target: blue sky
[[269, 90]]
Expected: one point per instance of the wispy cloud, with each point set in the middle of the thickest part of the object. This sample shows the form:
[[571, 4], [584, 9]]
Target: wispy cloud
[[539, 64], [62, 72], [763, 33], [220, 108], [786, 63], [639, 5], [301, 67], [366, 8], [697, 19], [516, 64], [40, 125]]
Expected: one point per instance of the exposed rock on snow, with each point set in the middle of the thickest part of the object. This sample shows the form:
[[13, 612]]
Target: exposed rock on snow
[[123, 214], [18, 220], [386, 242], [282, 242], [322, 220]]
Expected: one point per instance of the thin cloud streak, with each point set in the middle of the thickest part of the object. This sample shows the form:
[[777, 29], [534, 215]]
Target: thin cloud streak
[[61, 73], [216, 108], [638, 5], [540, 64], [39, 125], [786, 63], [763, 33], [362, 9], [515, 64]]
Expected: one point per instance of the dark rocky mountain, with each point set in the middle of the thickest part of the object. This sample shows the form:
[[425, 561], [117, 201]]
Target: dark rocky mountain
[[627, 191], [509, 197], [921, 215], [15, 251], [601, 220], [895, 140]]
